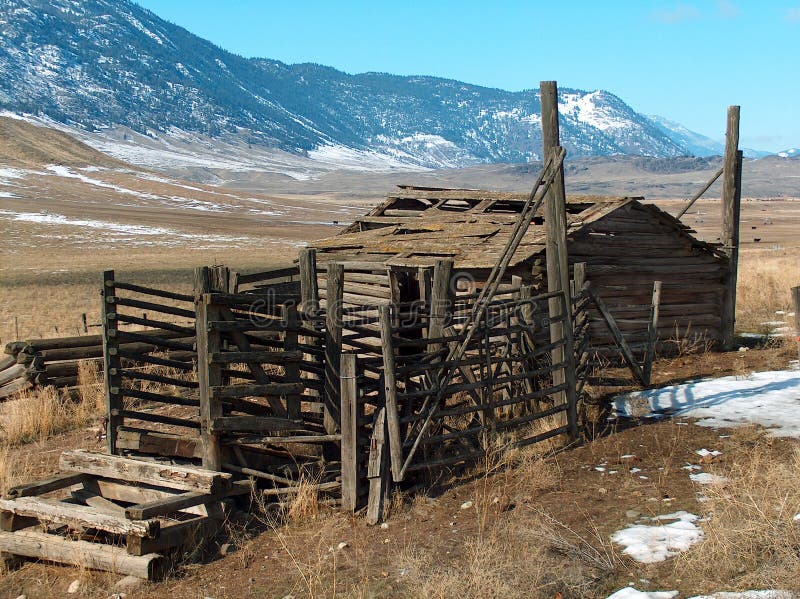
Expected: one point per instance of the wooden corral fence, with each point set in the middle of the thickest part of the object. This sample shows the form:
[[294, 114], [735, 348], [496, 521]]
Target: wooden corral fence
[[504, 391], [151, 389]]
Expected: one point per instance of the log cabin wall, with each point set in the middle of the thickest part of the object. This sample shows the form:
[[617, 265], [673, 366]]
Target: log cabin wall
[[625, 252]]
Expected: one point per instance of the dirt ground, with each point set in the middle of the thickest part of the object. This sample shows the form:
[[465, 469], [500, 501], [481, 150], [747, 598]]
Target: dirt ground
[[522, 525]]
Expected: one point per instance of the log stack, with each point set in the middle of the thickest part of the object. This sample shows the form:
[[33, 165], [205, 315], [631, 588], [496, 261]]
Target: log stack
[[55, 362]]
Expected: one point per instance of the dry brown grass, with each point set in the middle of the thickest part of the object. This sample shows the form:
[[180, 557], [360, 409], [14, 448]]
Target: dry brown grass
[[40, 413], [556, 559], [751, 538], [765, 281]]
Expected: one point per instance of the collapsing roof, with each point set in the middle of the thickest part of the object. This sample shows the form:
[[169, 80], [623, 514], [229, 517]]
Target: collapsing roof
[[417, 225]]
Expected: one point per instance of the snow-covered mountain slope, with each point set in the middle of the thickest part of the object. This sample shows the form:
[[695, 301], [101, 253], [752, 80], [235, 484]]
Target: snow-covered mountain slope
[[696, 143], [790, 153], [105, 63]]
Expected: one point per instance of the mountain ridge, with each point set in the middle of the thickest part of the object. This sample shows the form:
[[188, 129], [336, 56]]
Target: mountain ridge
[[102, 63]]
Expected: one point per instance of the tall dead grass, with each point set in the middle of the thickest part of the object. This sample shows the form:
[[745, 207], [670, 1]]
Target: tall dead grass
[[765, 283], [751, 537], [45, 411]]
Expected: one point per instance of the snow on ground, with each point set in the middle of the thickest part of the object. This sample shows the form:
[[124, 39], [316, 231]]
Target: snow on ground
[[631, 593], [649, 544], [706, 478], [769, 399], [769, 594]]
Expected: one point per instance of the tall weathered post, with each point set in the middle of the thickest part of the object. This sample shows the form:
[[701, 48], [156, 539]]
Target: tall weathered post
[[796, 303], [558, 279], [731, 208]]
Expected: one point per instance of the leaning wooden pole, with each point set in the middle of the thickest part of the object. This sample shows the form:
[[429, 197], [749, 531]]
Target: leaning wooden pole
[[731, 207], [557, 258]]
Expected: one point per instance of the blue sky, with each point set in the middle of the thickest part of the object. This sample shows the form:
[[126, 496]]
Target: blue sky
[[686, 61]]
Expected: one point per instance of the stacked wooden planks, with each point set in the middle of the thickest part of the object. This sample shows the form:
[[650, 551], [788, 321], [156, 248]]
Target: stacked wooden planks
[[116, 514]]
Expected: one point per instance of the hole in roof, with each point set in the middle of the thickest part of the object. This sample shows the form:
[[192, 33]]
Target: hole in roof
[[456, 205], [505, 207]]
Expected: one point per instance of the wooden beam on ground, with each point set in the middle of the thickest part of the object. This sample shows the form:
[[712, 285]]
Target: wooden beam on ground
[[128, 469], [73, 515], [93, 556], [47, 485]]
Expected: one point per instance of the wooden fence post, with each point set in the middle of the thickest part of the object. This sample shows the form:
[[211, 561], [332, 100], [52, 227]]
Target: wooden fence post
[[558, 260], [111, 362], [309, 290], [207, 374], [652, 333], [796, 299], [349, 426], [731, 207], [333, 345]]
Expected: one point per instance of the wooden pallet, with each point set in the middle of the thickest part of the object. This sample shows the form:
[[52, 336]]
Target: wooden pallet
[[112, 513]]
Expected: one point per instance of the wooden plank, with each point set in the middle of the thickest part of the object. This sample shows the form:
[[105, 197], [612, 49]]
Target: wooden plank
[[176, 503], [618, 337], [46, 485], [78, 516], [157, 443], [256, 390], [93, 556], [191, 533], [333, 344], [349, 427], [260, 357], [390, 393], [128, 469], [255, 424], [378, 469]]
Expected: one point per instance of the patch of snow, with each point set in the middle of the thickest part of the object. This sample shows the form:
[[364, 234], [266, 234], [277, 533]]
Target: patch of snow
[[59, 219], [706, 478], [650, 544], [769, 594], [770, 399], [632, 593], [691, 467], [63, 171], [7, 194], [705, 452]]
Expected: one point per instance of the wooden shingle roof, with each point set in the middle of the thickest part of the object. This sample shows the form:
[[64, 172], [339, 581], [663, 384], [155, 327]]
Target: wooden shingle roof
[[415, 226]]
